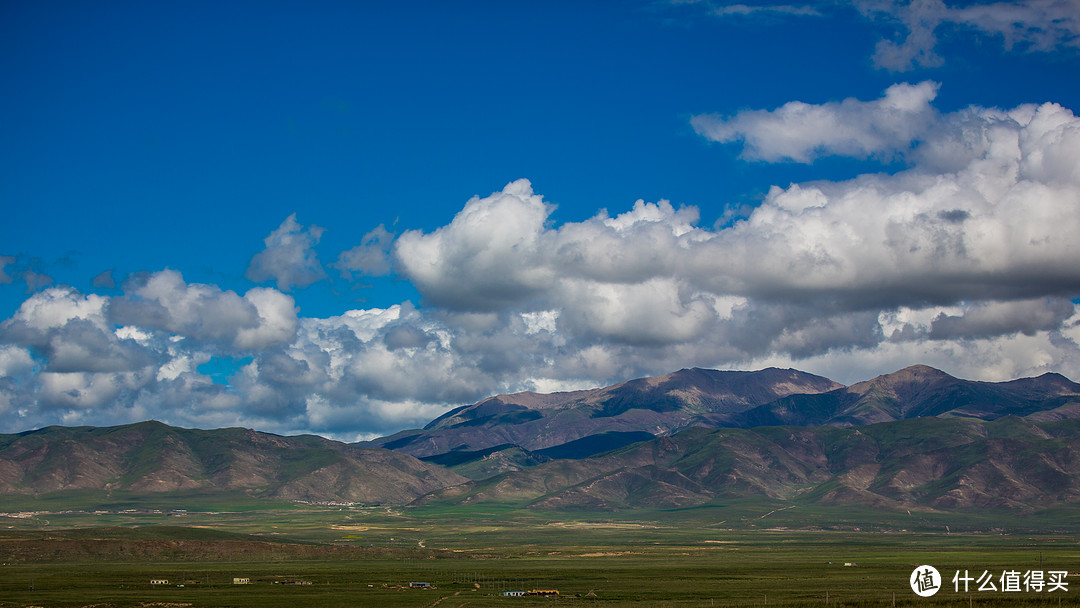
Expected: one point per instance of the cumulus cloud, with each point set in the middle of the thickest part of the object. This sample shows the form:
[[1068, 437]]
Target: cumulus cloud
[[983, 218], [15, 361], [964, 260], [105, 280], [998, 228], [406, 336], [78, 394], [989, 319], [801, 132], [289, 258], [486, 257], [991, 358], [371, 257], [654, 311], [70, 333], [261, 318], [71, 358], [32, 271], [36, 280], [84, 363]]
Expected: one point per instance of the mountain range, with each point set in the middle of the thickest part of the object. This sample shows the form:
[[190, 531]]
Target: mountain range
[[954, 463], [583, 423], [151, 457], [916, 438], [657, 406]]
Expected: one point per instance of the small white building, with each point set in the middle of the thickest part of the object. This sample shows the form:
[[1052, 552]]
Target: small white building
[[241, 580]]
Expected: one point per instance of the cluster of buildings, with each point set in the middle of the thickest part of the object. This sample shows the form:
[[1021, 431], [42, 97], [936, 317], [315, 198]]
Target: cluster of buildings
[[532, 592], [243, 580], [237, 580]]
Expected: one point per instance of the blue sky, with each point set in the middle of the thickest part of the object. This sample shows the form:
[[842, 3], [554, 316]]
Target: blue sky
[[310, 217]]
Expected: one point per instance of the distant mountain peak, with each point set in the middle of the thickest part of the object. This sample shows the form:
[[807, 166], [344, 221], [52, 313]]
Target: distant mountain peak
[[657, 405], [917, 372], [911, 375]]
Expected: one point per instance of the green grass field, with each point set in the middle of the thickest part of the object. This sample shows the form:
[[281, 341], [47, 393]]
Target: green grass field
[[740, 554]]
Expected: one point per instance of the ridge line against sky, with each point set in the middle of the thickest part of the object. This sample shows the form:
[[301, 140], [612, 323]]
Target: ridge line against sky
[[348, 220]]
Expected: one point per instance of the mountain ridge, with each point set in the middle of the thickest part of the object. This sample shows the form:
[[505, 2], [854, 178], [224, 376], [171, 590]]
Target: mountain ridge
[[657, 405], [922, 463], [911, 392], [917, 438], [152, 457], [666, 404]]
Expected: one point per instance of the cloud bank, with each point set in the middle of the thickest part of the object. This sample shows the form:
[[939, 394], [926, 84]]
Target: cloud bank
[[966, 260]]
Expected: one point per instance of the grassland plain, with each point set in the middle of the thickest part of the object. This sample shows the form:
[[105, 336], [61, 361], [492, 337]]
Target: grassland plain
[[742, 553]]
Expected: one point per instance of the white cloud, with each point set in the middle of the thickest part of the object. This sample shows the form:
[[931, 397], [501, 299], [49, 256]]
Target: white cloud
[[163, 301], [104, 280], [54, 307], [77, 394], [179, 363], [14, 361], [544, 320], [1033, 25], [371, 257], [653, 311], [289, 258], [964, 261], [984, 216], [989, 319], [744, 10], [801, 132], [276, 323], [998, 228], [485, 258], [71, 332], [730, 10], [990, 359], [1041, 25], [1024, 25]]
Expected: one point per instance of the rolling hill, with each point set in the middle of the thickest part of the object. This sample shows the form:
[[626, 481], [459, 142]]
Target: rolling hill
[[151, 457]]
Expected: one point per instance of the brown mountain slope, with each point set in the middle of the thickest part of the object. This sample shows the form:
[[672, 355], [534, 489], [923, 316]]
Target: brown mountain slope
[[151, 457], [659, 405], [1010, 463]]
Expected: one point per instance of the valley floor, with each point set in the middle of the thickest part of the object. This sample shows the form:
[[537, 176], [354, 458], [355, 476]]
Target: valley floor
[[741, 555]]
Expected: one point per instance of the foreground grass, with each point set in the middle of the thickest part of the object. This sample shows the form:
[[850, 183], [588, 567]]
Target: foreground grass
[[745, 574], [748, 554]]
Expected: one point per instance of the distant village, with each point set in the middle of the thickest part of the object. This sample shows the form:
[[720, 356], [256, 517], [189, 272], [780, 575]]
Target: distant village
[[292, 580]]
